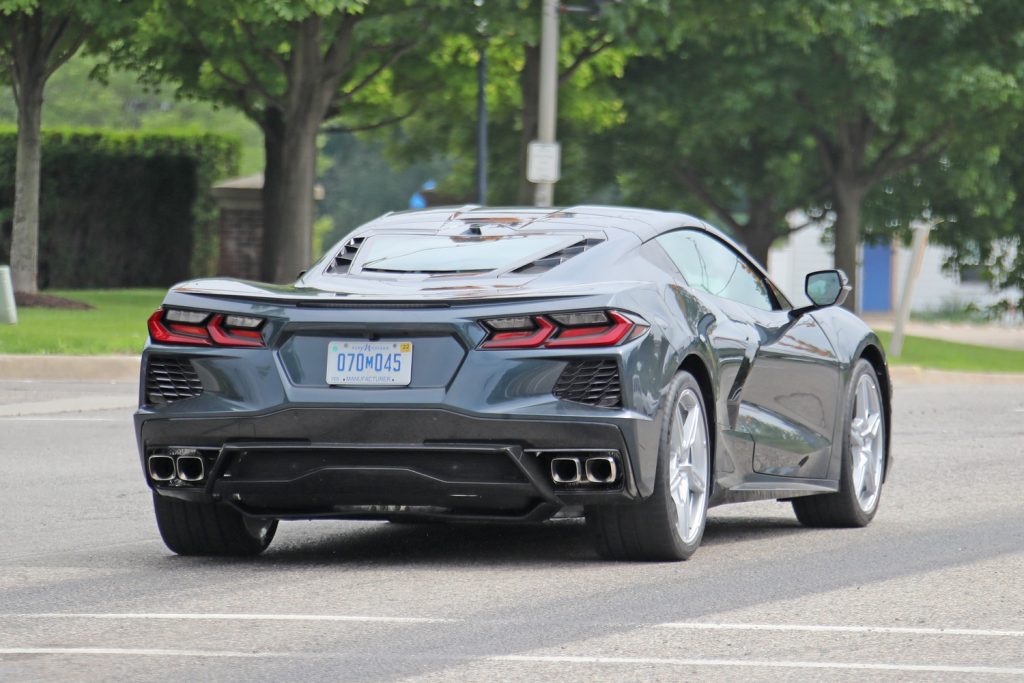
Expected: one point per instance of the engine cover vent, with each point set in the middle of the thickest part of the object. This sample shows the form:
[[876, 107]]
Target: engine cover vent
[[546, 263], [343, 260]]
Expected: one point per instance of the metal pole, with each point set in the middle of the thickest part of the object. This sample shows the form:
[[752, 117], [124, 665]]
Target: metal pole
[[917, 248], [481, 125], [8, 309], [547, 106]]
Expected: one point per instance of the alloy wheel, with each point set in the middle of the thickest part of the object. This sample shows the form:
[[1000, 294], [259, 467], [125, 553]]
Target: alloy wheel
[[688, 465], [867, 443]]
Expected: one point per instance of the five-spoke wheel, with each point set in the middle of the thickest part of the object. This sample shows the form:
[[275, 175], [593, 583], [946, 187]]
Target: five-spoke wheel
[[669, 524], [863, 464], [688, 465]]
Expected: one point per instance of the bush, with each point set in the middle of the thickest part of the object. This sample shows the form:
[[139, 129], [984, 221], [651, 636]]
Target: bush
[[121, 209]]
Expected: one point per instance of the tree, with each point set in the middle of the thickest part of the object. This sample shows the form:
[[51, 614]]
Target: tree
[[878, 86], [594, 49], [735, 154], [288, 65], [36, 39], [889, 85], [971, 194]]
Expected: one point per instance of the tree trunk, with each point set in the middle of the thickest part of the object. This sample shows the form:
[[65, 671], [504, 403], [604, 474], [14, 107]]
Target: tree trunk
[[529, 89], [849, 198], [25, 233], [289, 180], [758, 238]]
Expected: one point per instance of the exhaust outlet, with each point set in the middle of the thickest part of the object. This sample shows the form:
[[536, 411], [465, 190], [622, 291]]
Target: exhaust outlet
[[565, 470], [601, 470], [161, 467], [190, 468]]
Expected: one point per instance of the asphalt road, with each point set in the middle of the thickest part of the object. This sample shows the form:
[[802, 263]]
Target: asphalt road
[[932, 590]]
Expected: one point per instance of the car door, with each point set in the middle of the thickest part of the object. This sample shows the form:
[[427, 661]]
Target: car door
[[778, 376]]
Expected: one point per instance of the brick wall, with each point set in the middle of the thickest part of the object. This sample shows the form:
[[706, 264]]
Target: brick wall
[[241, 242]]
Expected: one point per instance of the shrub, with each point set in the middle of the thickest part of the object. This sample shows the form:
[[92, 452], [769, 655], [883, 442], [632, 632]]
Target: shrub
[[122, 209]]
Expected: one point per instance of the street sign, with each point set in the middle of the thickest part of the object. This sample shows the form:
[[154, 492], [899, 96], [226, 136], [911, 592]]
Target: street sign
[[543, 162]]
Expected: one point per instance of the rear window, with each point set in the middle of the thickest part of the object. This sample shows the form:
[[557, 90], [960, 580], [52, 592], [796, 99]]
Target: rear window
[[455, 253]]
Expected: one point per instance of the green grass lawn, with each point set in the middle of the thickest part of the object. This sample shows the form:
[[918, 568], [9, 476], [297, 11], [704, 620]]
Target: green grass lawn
[[117, 324], [944, 355]]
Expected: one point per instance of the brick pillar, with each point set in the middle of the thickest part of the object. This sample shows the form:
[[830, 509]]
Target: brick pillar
[[241, 227]]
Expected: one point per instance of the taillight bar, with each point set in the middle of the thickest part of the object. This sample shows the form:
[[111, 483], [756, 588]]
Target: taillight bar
[[586, 329], [203, 328]]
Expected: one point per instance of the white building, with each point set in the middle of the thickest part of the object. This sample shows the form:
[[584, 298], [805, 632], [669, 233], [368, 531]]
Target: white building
[[883, 271]]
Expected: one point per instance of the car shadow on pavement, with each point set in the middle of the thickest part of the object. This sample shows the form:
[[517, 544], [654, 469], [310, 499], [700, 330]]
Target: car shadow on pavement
[[726, 530], [448, 544], [560, 542]]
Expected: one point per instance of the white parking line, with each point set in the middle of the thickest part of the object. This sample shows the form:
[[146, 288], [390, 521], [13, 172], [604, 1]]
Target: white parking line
[[226, 617], [816, 628], [62, 419], [133, 652], [761, 663]]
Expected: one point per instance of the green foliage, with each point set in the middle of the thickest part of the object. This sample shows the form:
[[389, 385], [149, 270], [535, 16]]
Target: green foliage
[[116, 324], [593, 54], [86, 94], [360, 185], [737, 158], [249, 55], [122, 208]]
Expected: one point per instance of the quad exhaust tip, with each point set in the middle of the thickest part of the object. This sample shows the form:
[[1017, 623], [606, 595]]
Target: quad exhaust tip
[[601, 470], [565, 470], [598, 469], [161, 467], [188, 468]]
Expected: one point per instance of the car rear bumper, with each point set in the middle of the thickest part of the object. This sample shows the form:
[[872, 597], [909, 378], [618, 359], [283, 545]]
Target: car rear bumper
[[346, 462]]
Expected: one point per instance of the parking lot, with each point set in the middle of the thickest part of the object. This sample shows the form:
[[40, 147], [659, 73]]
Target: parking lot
[[932, 590]]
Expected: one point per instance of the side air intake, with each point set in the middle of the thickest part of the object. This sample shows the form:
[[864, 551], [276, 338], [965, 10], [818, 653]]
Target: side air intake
[[170, 379], [594, 382]]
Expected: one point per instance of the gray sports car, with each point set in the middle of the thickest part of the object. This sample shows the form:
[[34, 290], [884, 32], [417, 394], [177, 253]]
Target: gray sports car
[[511, 365]]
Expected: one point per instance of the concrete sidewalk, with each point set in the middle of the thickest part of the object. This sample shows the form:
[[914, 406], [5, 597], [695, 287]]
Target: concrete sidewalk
[[87, 368], [999, 336]]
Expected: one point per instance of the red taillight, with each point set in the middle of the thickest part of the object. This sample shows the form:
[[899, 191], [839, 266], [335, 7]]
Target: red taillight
[[563, 330], [232, 336], [521, 339], [174, 326]]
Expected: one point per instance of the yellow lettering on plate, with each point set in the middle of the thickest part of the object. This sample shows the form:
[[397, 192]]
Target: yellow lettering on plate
[[405, 347]]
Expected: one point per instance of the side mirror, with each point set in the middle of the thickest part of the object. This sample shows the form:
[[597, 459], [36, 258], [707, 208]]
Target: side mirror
[[827, 287]]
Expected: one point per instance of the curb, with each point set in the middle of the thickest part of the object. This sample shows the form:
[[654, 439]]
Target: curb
[[82, 368], [915, 374]]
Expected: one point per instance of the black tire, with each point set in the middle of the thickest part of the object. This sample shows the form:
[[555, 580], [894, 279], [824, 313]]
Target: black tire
[[210, 528], [843, 508], [648, 531]]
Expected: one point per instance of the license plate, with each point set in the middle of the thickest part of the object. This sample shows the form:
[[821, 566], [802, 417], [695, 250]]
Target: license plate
[[369, 363]]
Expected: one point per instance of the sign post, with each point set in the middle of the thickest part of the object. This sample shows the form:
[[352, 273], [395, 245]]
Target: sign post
[[8, 310], [918, 246], [547, 104]]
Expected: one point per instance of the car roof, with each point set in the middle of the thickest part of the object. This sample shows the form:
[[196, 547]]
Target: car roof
[[643, 223]]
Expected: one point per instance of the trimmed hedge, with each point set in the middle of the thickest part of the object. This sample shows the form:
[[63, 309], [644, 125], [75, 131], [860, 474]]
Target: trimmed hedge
[[122, 209]]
